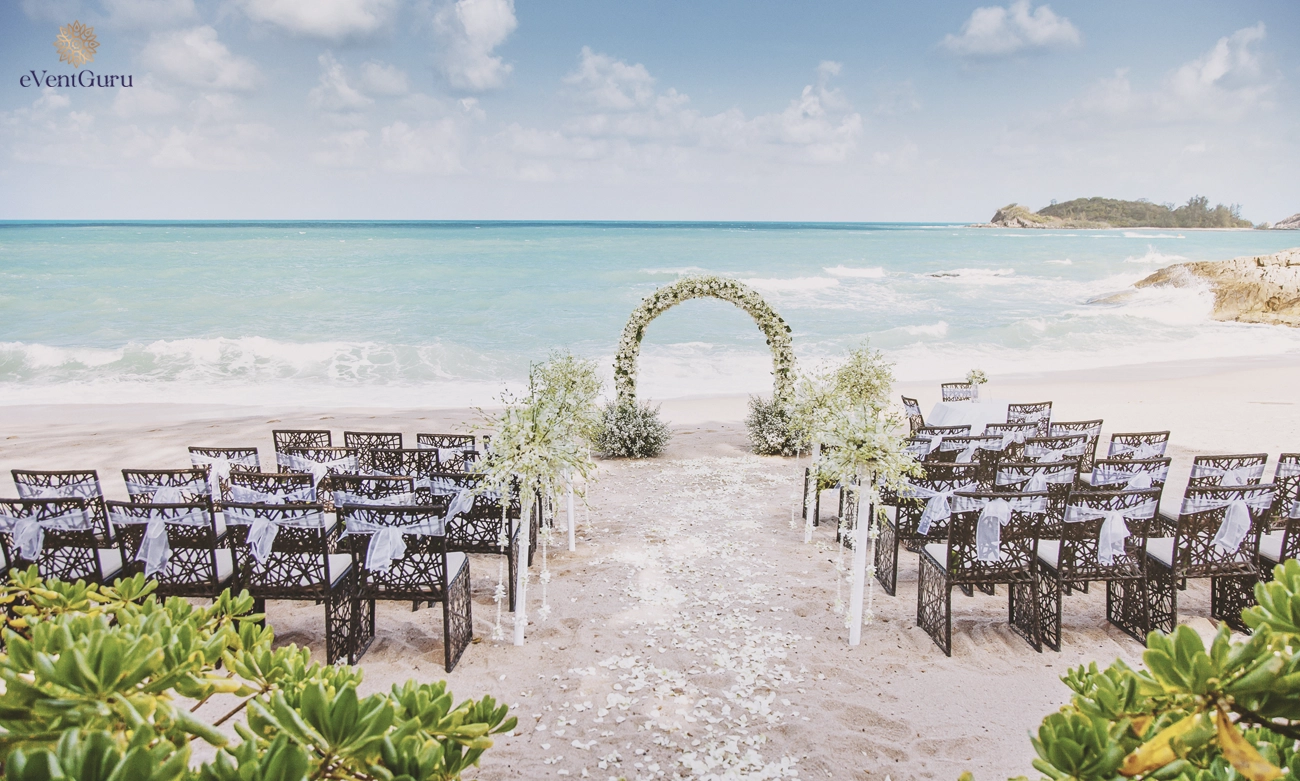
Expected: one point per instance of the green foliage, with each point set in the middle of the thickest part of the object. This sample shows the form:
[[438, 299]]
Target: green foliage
[[99, 682], [1223, 713], [632, 431], [770, 429], [1196, 213]]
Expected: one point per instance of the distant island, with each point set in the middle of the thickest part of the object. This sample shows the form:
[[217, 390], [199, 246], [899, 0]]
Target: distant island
[[1114, 213]]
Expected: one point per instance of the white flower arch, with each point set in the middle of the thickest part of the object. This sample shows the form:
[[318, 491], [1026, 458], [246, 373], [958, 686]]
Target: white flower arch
[[733, 291]]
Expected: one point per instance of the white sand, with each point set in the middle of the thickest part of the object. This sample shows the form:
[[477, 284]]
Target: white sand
[[691, 593]]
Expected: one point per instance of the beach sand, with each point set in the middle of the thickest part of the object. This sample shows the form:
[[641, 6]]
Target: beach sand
[[692, 631]]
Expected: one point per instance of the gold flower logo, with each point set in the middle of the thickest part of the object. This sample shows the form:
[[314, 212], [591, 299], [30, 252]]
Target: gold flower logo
[[76, 44]]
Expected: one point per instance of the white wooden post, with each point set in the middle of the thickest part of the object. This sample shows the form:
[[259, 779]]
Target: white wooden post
[[859, 563], [573, 539], [810, 501], [521, 559]]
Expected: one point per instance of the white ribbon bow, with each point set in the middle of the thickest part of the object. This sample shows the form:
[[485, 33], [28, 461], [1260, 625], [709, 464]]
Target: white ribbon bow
[[244, 495], [1235, 525], [1037, 479], [347, 497], [84, 490], [994, 514], [1288, 468], [155, 547], [1242, 475], [262, 531], [29, 533], [1114, 529], [220, 466], [1138, 452], [386, 542], [1048, 455], [318, 469], [1110, 474], [939, 504]]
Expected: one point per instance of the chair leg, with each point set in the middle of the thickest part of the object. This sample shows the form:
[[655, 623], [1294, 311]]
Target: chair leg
[[934, 604], [1162, 597], [988, 588], [1050, 592], [1022, 611], [1128, 607], [341, 607], [1229, 595], [457, 619], [887, 557]]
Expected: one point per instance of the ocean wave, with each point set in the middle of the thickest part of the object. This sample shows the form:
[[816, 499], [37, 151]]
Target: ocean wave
[[792, 285], [938, 329], [977, 275], [676, 272], [861, 273], [1136, 235], [1065, 262], [1154, 255]]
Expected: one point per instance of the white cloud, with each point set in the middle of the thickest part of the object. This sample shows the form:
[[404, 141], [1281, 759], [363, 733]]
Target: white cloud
[[428, 147], [61, 11], [149, 13], [334, 93], [610, 83], [329, 19], [144, 98], [381, 79], [994, 31], [214, 149], [1231, 66], [468, 31], [196, 58]]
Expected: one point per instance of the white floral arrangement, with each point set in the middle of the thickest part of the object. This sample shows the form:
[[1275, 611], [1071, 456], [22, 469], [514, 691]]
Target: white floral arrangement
[[731, 290], [976, 377]]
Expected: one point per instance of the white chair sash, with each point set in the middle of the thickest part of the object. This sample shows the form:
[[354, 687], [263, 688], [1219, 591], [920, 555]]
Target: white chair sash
[[245, 495], [155, 548], [1050, 455], [262, 530], [1132, 477], [29, 533], [1242, 475], [1235, 525], [938, 506], [1139, 452], [1091, 431], [1038, 479], [167, 494], [994, 514], [386, 542], [1288, 468], [220, 468], [1114, 529], [86, 489], [317, 469], [918, 449], [347, 497]]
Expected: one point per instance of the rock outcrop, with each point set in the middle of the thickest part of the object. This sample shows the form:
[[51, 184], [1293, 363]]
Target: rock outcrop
[[1291, 223], [1016, 216], [1261, 289]]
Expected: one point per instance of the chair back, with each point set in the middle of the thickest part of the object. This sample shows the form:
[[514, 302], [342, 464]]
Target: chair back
[[372, 490], [270, 488], [1105, 532], [1045, 450], [1122, 474], [992, 537], [367, 442], [1138, 444], [924, 503], [58, 535], [1089, 428], [1055, 478], [479, 529], [917, 447], [167, 486], [65, 484], [456, 452], [1228, 470], [285, 549], [422, 567], [1286, 479], [176, 543], [222, 461], [915, 419], [320, 462], [957, 391], [982, 450], [1013, 436], [297, 437], [1218, 529], [1039, 413], [422, 463]]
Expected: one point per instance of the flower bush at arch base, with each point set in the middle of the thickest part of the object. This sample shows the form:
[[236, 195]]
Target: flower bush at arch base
[[772, 325]]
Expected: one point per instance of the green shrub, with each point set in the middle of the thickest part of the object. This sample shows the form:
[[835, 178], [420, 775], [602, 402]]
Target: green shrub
[[771, 429], [1223, 713], [632, 431], [96, 680]]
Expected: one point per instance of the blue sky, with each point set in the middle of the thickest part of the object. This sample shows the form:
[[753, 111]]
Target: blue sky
[[575, 109]]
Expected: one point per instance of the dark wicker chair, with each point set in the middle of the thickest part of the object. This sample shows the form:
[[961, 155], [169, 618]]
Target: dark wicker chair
[[1077, 556], [425, 572], [983, 451], [167, 486], [484, 528], [974, 556], [179, 544], [921, 512], [297, 563], [917, 447], [1139, 445], [1281, 540], [1228, 470], [67, 484], [367, 441], [936, 434], [957, 391], [435, 441], [1039, 413], [1193, 553], [375, 490], [62, 537], [1089, 428], [915, 419], [420, 464], [296, 437], [456, 452], [1048, 450], [1121, 474], [270, 488], [321, 463], [1013, 437], [1054, 478], [222, 461]]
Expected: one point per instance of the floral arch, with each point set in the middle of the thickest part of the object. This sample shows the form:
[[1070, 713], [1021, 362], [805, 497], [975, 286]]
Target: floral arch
[[733, 291]]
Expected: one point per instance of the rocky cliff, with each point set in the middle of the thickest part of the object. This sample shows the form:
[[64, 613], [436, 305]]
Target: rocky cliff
[[1262, 289], [1016, 216], [1291, 223]]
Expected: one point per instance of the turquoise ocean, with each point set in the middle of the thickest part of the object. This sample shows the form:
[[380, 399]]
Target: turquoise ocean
[[450, 314]]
